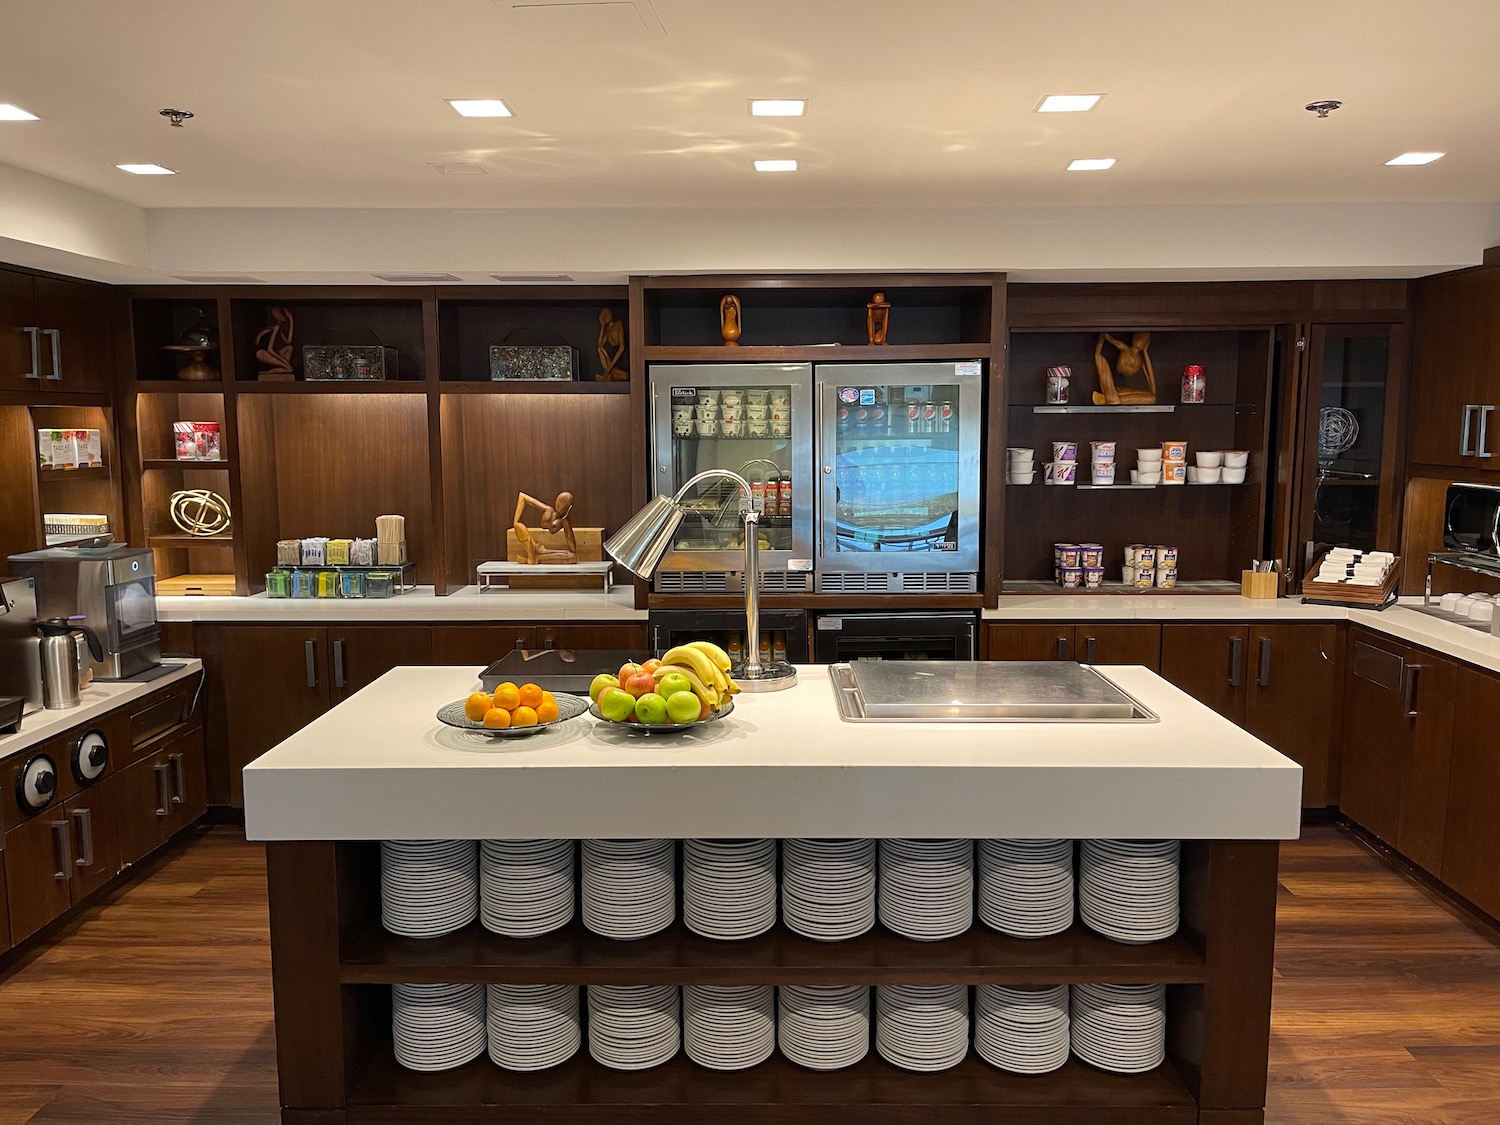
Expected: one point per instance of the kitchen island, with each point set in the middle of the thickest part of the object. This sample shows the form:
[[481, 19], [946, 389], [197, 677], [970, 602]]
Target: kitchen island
[[379, 766]]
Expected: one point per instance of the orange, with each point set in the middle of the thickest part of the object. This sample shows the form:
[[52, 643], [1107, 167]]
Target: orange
[[546, 711], [531, 695], [523, 717], [476, 705], [497, 719], [507, 696], [548, 697]]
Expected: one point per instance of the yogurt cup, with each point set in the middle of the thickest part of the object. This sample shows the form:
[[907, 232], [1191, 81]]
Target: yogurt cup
[[1092, 555], [1069, 555], [1209, 459], [1174, 451], [1093, 577], [1103, 450], [1148, 456], [1236, 458], [1065, 451], [1072, 577]]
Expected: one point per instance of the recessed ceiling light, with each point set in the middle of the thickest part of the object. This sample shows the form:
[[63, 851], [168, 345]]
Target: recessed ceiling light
[[1414, 158], [1092, 165], [10, 112], [775, 165], [777, 107], [429, 278], [146, 169], [480, 107], [458, 169], [1068, 103]]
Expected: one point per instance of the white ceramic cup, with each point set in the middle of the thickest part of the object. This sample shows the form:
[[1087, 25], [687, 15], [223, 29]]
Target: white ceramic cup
[[1232, 476], [1150, 478], [1135, 476], [1022, 477], [1207, 476], [1209, 459], [1192, 474], [1148, 456], [1236, 458]]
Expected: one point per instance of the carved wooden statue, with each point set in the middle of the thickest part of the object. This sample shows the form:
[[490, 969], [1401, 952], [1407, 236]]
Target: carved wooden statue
[[729, 320], [554, 518], [276, 351], [878, 318], [1132, 361], [611, 348]]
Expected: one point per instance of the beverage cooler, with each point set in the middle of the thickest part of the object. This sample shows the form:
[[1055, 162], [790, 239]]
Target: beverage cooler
[[843, 637], [867, 475], [783, 632]]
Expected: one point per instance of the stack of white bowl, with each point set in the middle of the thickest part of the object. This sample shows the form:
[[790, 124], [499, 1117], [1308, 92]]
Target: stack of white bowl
[[533, 1026], [1120, 1027], [629, 887], [633, 1027], [428, 887], [729, 887], [1022, 1028], [828, 887], [1026, 886], [927, 887], [1128, 889], [437, 1026], [824, 1027], [1147, 466], [728, 1028], [1020, 465], [921, 1026], [526, 887]]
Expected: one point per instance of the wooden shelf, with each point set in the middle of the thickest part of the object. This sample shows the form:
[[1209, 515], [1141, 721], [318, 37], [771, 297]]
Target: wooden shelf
[[172, 463], [777, 1092], [1182, 589], [532, 387], [333, 387], [573, 955], [814, 353], [81, 472], [182, 539]]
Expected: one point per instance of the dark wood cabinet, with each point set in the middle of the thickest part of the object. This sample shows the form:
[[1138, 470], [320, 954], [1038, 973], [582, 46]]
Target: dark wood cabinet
[[74, 316], [603, 638], [1471, 851], [17, 313], [146, 796], [358, 655], [478, 645], [276, 680], [1209, 663], [1456, 358], [1029, 642], [38, 871], [1087, 643], [1292, 699], [5, 940], [94, 817]]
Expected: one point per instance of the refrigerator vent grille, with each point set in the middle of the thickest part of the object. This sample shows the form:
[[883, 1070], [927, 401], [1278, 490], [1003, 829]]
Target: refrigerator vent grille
[[919, 583], [728, 582]]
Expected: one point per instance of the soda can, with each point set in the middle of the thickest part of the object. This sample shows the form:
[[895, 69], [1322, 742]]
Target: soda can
[[929, 417], [945, 418], [913, 417], [843, 418]]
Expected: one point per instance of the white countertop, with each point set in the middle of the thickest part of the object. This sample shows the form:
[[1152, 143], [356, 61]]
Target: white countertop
[[380, 766], [420, 605], [94, 700], [1147, 606]]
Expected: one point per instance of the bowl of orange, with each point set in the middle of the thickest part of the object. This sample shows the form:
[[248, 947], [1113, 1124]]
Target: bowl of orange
[[512, 711]]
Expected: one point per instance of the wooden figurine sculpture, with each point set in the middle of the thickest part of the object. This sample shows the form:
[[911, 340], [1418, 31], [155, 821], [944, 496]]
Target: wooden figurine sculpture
[[276, 351], [729, 320], [554, 519], [611, 348], [878, 318], [1132, 360]]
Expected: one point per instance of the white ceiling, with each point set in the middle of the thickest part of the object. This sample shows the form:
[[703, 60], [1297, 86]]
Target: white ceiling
[[339, 103]]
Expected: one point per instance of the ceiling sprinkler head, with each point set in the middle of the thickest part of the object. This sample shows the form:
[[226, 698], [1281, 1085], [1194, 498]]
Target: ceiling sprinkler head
[[1322, 108], [178, 116]]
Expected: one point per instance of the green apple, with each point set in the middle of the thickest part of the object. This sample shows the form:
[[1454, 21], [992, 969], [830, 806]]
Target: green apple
[[682, 707], [651, 709], [601, 681], [616, 705], [671, 684]]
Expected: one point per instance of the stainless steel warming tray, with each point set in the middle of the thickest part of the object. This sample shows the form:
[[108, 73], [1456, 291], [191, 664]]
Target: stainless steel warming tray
[[944, 691]]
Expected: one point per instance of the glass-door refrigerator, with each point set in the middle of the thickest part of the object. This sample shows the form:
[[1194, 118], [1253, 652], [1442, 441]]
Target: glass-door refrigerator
[[898, 477], [757, 420]]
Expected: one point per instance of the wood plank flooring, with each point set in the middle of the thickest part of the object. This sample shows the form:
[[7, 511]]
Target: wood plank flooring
[[154, 1007]]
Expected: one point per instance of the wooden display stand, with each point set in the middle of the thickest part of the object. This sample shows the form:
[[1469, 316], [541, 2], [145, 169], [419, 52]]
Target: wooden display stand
[[590, 549]]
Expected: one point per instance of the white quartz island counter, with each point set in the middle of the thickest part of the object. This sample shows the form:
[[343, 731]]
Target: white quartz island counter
[[380, 766]]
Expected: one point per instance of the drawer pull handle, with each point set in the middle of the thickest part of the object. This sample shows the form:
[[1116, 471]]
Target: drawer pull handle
[[1062, 648], [62, 849], [176, 760], [1409, 700], [1264, 676], [85, 818], [163, 792], [1236, 660], [310, 649]]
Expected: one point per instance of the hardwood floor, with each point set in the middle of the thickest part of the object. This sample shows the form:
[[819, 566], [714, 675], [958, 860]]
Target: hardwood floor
[[154, 1006]]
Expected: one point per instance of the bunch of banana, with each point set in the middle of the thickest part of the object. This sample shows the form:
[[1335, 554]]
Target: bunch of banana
[[706, 667]]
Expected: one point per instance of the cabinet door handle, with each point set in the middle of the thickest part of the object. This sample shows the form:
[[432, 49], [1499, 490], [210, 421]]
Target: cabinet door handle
[[338, 663], [311, 650], [179, 777], [62, 849], [85, 819], [1236, 660], [1484, 432], [163, 793], [521, 644], [1091, 650], [1409, 694], [1062, 648], [1464, 448], [1263, 677], [55, 337], [36, 353]]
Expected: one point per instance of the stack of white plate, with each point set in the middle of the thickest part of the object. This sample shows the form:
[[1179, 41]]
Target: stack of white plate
[[824, 1027], [1127, 889], [629, 887], [729, 887], [728, 1028], [633, 1027], [1026, 886], [1120, 1027], [922, 1026], [437, 1026], [525, 886], [1022, 1029], [533, 1026], [828, 887], [927, 887], [428, 887]]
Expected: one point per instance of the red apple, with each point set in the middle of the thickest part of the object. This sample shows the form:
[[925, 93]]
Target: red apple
[[651, 665], [626, 671], [704, 711], [639, 683]]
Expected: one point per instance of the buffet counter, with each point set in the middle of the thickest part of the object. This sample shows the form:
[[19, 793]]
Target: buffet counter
[[419, 606]]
